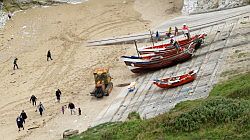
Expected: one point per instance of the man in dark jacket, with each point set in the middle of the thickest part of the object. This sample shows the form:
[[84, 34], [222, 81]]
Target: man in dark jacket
[[40, 108], [157, 36], [71, 106], [58, 95], [19, 122], [49, 56], [33, 99], [15, 64], [23, 116]]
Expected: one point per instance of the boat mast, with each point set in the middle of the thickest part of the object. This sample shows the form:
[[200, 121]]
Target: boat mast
[[151, 37], [136, 48]]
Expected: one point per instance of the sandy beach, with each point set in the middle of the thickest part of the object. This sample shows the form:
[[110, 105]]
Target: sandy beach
[[64, 29]]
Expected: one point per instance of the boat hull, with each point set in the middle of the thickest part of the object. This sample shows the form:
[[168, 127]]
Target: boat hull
[[169, 47], [183, 79], [138, 65], [149, 66]]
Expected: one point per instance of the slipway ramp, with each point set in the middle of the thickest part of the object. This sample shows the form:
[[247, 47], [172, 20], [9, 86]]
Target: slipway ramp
[[231, 30], [195, 22]]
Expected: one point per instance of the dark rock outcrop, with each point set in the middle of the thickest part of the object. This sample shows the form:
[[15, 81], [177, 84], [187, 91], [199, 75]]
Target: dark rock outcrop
[[70, 132]]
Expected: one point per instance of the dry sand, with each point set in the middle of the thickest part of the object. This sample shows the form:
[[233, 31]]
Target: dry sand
[[64, 30], [158, 11]]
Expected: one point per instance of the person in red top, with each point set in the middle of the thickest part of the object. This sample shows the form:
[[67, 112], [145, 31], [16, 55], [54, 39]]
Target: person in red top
[[185, 30]]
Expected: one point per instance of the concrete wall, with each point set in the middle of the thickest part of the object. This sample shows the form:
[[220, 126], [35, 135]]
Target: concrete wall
[[201, 6]]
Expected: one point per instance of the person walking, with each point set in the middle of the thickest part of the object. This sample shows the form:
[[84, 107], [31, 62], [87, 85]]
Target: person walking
[[58, 95], [19, 122], [157, 36], [169, 31], [23, 116], [9, 15], [71, 106], [15, 64], [79, 111], [33, 99], [40, 108], [175, 31], [63, 109], [174, 42], [49, 55], [185, 30]]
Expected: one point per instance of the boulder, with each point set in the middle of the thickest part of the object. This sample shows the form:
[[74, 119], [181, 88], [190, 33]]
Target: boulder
[[70, 132]]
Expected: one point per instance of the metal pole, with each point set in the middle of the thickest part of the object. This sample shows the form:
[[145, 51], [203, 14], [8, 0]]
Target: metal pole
[[151, 37], [136, 48]]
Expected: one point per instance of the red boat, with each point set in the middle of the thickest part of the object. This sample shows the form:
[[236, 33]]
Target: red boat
[[169, 47], [139, 64], [177, 80]]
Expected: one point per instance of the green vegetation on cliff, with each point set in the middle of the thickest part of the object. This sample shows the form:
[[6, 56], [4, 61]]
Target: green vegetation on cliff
[[225, 114]]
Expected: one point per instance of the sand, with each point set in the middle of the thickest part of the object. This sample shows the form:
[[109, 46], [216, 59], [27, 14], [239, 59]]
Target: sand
[[158, 11], [64, 30]]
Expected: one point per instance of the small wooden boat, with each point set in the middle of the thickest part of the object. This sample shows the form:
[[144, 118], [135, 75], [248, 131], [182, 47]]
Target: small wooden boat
[[177, 80], [169, 47]]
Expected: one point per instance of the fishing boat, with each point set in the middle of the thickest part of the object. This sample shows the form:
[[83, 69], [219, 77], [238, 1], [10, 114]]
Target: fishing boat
[[168, 47], [154, 61], [171, 82]]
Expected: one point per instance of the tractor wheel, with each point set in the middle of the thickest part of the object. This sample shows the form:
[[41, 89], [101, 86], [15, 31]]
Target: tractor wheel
[[109, 88], [99, 92]]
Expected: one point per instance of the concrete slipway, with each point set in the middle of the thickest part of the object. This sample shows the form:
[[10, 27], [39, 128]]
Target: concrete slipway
[[226, 30]]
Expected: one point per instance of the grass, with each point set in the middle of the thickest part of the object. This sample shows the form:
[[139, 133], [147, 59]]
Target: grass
[[238, 87], [225, 114]]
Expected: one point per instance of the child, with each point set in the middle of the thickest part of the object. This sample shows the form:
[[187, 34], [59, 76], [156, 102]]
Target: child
[[79, 111], [62, 109]]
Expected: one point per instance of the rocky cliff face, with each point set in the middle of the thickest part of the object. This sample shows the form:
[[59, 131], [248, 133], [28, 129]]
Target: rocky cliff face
[[200, 6], [15, 5], [2, 15]]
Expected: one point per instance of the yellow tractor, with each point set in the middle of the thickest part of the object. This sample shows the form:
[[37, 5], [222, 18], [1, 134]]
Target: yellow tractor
[[103, 84]]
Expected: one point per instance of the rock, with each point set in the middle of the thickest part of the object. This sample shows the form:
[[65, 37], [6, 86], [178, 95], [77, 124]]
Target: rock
[[70, 132], [243, 22]]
